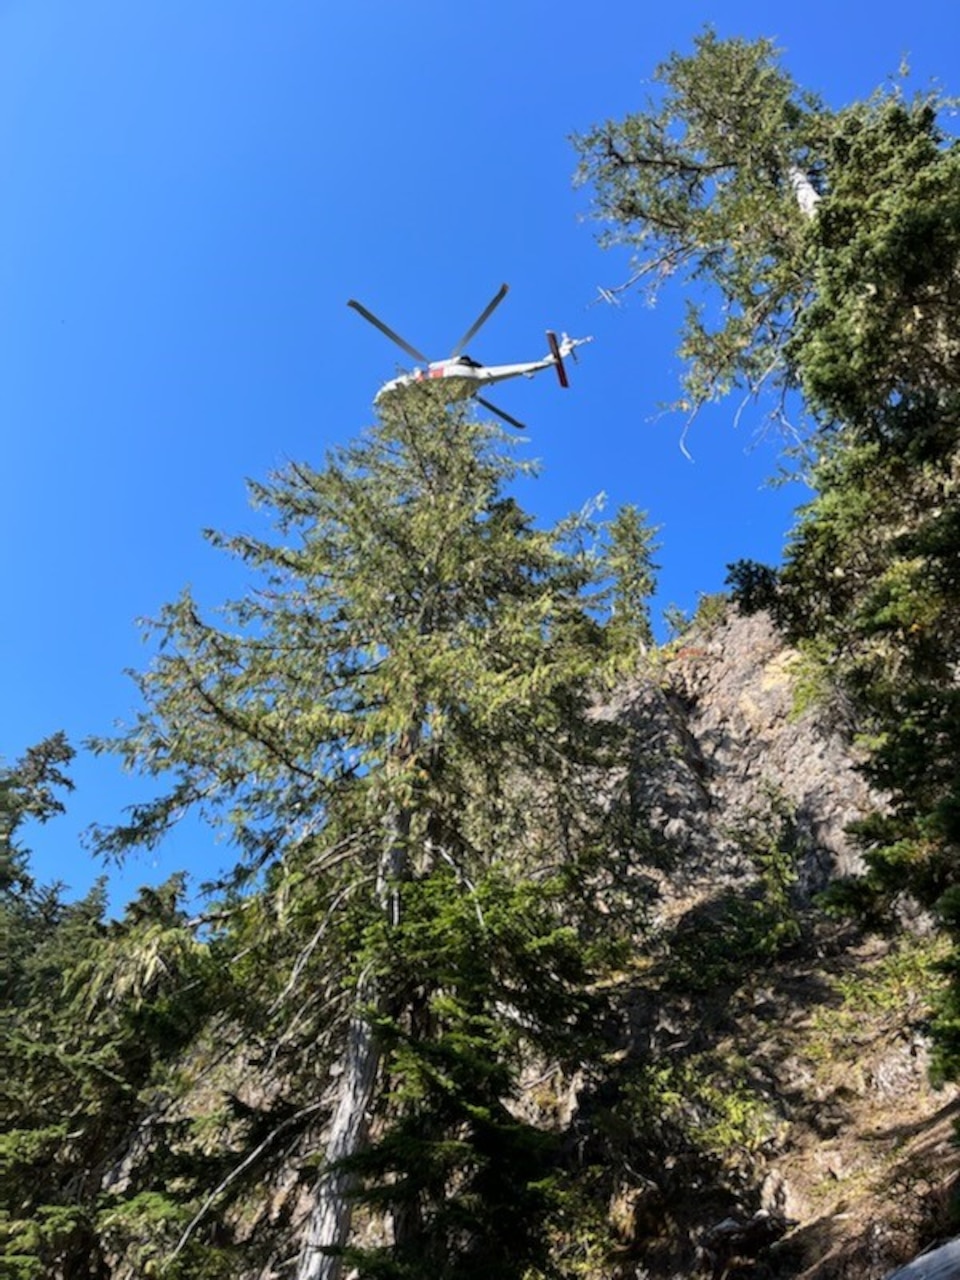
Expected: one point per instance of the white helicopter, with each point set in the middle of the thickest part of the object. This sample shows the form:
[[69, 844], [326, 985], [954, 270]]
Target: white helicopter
[[463, 377]]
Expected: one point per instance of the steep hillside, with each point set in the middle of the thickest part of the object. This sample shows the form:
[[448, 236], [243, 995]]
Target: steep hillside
[[722, 748], [778, 1057]]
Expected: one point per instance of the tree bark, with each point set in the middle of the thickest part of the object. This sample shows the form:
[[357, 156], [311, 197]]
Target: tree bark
[[328, 1230], [808, 197], [329, 1226]]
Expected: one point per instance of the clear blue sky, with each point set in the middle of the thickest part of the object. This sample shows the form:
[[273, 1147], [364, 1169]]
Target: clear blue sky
[[192, 191]]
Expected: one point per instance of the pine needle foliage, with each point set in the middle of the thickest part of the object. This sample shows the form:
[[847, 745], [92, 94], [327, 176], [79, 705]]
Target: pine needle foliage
[[698, 184], [629, 551], [94, 1013], [412, 616]]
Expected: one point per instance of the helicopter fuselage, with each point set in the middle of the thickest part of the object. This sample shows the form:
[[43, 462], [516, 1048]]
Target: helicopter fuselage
[[462, 376]]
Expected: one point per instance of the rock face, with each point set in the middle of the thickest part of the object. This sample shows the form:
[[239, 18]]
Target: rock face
[[815, 1033], [722, 752]]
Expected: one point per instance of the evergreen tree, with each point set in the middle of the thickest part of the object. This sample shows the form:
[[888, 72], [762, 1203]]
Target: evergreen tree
[[702, 184], [394, 729], [91, 1010], [870, 582], [818, 246], [629, 560]]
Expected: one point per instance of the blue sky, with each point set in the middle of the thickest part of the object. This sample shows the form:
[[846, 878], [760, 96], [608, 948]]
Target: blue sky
[[191, 193]]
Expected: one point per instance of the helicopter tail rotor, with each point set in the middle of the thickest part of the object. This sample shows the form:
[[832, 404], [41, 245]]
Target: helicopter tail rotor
[[567, 346], [558, 354]]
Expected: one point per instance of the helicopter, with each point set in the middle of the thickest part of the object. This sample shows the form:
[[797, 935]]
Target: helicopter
[[462, 376]]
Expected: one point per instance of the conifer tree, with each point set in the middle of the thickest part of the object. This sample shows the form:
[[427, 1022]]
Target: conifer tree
[[818, 246], [393, 728], [91, 1009], [629, 560], [702, 184]]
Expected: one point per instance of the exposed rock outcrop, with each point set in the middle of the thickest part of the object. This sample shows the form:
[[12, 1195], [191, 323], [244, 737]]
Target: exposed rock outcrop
[[722, 750], [813, 1041]]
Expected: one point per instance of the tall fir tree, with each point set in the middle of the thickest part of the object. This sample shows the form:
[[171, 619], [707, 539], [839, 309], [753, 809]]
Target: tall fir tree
[[394, 727], [703, 184], [629, 551]]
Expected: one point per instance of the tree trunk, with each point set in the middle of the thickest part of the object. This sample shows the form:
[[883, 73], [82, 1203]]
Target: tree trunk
[[321, 1256], [329, 1226], [808, 197]]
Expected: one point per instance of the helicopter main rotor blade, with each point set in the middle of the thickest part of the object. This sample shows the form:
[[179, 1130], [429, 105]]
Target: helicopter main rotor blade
[[477, 324], [521, 426], [394, 337]]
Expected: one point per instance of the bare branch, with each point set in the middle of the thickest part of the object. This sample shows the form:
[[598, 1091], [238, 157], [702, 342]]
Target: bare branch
[[241, 1168]]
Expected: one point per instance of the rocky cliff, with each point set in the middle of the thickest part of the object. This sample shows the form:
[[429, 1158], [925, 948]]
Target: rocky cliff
[[722, 745], [778, 1056]]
